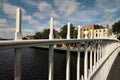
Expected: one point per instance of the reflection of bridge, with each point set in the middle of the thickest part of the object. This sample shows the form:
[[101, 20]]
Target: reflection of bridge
[[97, 65]]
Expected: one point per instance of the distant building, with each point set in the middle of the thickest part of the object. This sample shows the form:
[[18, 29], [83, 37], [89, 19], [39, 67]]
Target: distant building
[[89, 29], [101, 33], [29, 37], [95, 31]]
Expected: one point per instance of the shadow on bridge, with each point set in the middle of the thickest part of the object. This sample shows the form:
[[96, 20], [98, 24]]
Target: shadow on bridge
[[115, 70]]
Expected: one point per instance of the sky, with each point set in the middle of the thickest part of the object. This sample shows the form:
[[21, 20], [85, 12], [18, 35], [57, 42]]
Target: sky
[[36, 14]]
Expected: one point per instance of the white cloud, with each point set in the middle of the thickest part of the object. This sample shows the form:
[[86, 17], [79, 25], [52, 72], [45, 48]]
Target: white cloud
[[30, 2], [7, 32], [57, 25], [104, 12], [3, 23], [45, 11], [39, 15], [10, 10], [44, 7], [109, 9], [27, 32], [34, 22], [54, 14], [67, 7]]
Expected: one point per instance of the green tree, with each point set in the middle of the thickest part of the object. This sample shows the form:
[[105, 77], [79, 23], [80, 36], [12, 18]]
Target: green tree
[[45, 34], [37, 35], [116, 27], [42, 35], [63, 31]]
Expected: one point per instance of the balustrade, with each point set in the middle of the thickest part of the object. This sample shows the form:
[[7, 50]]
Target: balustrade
[[100, 50]]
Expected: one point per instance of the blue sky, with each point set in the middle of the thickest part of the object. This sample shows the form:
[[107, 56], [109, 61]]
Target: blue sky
[[36, 14]]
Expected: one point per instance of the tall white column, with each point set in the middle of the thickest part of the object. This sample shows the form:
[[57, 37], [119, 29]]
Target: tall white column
[[68, 30], [18, 33], [18, 51], [51, 36], [78, 36]]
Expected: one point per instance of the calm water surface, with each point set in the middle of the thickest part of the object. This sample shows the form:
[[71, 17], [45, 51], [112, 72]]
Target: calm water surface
[[35, 64]]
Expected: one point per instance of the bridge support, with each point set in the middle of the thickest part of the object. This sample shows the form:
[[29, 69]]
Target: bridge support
[[18, 51], [17, 64]]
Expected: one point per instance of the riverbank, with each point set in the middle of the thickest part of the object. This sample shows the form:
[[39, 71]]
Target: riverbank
[[58, 48]]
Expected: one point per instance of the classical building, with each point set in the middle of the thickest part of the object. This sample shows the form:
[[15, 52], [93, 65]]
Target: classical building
[[89, 29], [101, 33], [95, 31]]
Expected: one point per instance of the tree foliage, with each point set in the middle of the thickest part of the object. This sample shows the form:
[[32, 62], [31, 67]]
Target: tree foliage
[[42, 35], [116, 27], [63, 31]]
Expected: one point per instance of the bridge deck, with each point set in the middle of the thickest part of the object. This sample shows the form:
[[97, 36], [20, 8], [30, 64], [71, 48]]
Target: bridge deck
[[115, 70]]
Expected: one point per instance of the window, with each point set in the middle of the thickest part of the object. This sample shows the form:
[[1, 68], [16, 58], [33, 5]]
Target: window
[[96, 35]]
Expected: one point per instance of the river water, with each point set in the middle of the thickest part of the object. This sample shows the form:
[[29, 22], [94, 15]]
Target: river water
[[35, 64]]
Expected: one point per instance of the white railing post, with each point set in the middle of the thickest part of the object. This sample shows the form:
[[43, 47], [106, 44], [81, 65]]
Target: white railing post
[[68, 30], [100, 50], [18, 51], [97, 52], [86, 61], [78, 61], [94, 55], [51, 62], [91, 58], [68, 63], [18, 33], [51, 36], [78, 36]]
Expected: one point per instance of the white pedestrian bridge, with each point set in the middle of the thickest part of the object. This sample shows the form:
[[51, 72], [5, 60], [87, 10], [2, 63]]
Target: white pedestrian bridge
[[102, 53]]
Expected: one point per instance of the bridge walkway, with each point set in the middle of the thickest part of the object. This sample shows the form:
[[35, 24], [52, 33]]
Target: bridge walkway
[[115, 70]]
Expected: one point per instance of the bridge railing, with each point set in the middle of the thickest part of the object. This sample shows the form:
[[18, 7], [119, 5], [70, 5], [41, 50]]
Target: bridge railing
[[102, 52]]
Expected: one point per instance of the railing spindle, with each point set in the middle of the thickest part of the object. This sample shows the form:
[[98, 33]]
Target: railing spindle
[[91, 58], [86, 61], [68, 63], [78, 61], [94, 55], [51, 62]]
